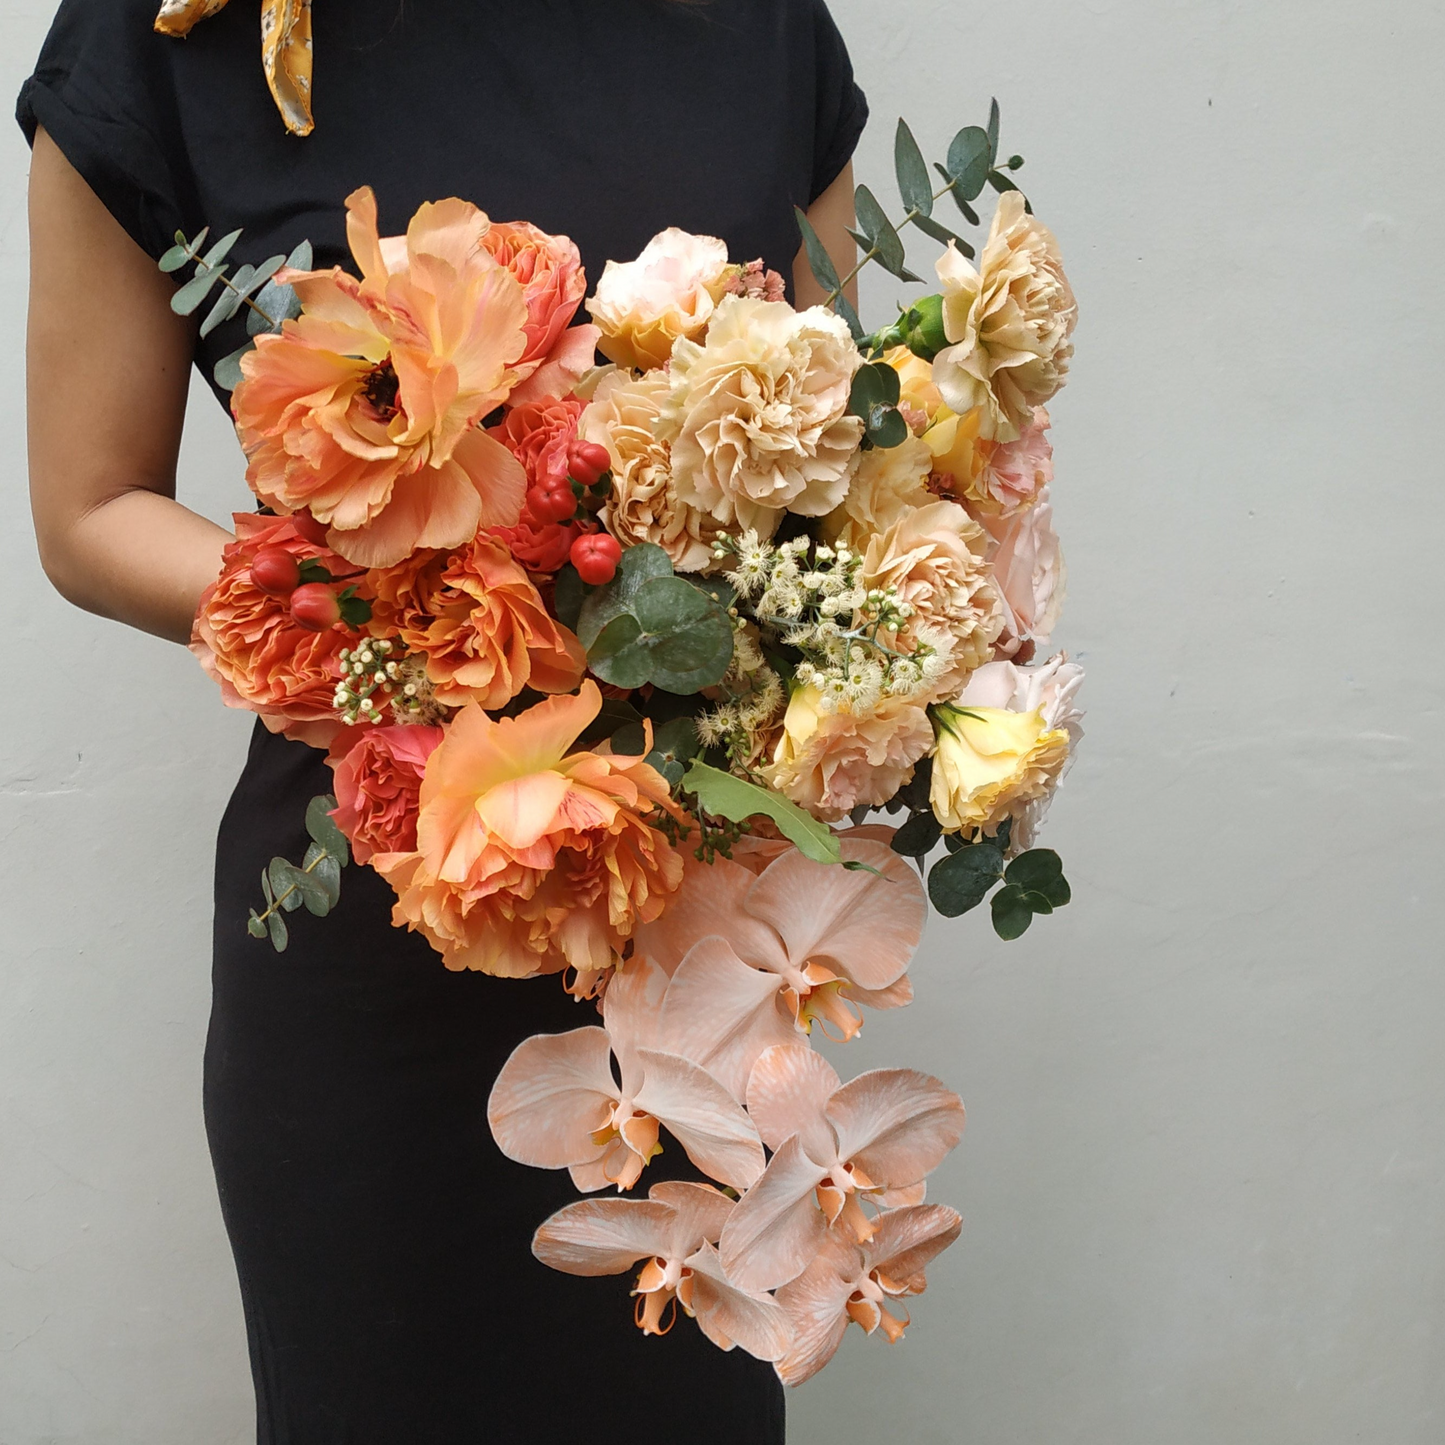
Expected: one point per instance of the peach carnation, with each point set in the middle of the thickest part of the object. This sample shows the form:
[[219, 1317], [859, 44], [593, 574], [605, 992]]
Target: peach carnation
[[669, 291], [530, 858], [365, 409], [480, 622], [758, 415], [1029, 572], [831, 762], [890, 483], [378, 772], [644, 505], [247, 641], [1010, 322]]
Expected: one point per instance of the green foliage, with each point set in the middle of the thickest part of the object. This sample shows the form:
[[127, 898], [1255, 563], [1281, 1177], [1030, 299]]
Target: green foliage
[[649, 626], [918, 837], [878, 235], [315, 885], [912, 172], [1034, 882], [674, 745], [322, 829], [726, 796], [963, 879], [969, 162], [874, 397]]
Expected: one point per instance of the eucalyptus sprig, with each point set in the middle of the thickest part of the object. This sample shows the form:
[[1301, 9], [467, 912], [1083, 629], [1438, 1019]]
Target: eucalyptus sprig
[[316, 883], [971, 165], [270, 304]]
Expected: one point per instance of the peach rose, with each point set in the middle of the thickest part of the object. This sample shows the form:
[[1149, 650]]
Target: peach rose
[[247, 641], [1010, 322], [378, 772], [831, 762], [538, 433], [644, 505], [480, 622], [758, 415], [1029, 572], [365, 409], [669, 291], [531, 858], [1011, 475]]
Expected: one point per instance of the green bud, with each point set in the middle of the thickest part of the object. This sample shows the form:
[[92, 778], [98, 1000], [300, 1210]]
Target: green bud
[[922, 324]]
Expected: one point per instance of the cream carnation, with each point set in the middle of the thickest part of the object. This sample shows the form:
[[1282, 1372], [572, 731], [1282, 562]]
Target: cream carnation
[[890, 481], [831, 762], [642, 307], [758, 415], [643, 506], [1009, 321]]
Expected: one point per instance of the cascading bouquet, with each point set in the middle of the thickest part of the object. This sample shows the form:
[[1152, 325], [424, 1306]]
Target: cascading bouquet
[[612, 664]]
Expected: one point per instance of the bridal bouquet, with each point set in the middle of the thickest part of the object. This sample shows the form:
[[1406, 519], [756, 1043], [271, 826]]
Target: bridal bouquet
[[614, 663]]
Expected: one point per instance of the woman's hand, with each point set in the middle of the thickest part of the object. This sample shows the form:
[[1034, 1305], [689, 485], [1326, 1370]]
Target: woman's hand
[[831, 215], [108, 367]]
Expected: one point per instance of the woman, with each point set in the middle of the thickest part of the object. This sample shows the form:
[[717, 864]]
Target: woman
[[381, 1239]]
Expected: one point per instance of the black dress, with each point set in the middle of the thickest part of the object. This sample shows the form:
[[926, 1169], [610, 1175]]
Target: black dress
[[382, 1242]]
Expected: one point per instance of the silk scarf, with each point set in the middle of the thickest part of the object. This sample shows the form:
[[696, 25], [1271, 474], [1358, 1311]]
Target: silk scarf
[[285, 49]]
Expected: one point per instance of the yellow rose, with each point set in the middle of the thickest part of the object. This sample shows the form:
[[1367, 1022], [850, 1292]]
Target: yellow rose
[[990, 763], [952, 440]]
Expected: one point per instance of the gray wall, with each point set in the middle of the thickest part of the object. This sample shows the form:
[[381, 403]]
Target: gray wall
[[1203, 1175]]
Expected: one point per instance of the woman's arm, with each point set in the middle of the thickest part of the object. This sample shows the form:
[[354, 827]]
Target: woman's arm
[[108, 366], [831, 215]]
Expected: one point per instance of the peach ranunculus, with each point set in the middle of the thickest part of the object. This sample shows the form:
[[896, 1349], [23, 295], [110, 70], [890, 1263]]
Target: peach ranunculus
[[832, 761], [378, 772], [530, 858], [480, 622], [758, 416], [1029, 572], [364, 410], [643, 506], [247, 641], [553, 285], [669, 291], [1010, 322], [932, 557]]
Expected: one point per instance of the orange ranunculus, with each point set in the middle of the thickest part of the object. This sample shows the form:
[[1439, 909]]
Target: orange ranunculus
[[377, 773], [531, 859], [481, 623], [553, 284], [365, 409], [249, 643]]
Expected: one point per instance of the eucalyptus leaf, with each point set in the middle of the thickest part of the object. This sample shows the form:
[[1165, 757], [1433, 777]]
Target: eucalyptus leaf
[[918, 837], [286, 881], [280, 302], [882, 238], [227, 371], [280, 936], [819, 261], [190, 296], [969, 161], [313, 892], [228, 303], [969, 214], [266, 886], [914, 793], [1037, 903], [327, 873], [849, 313], [962, 880], [173, 260], [254, 926], [886, 427], [630, 740], [992, 132], [691, 636], [1011, 913], [321, 826], [912, 172], [726, 796], [615, 657], [1041, 871], [221, 249], [940, 233]]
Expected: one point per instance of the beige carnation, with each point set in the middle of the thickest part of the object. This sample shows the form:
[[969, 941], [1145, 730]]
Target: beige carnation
[[643, 506], [1010, 322], [642, 307], [889, 482], [831, 762], [934, 557], [758, 415]]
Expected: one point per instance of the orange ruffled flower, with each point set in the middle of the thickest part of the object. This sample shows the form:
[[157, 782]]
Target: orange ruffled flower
[[481, 623], [531, 859], [365, 409], [247, 641]]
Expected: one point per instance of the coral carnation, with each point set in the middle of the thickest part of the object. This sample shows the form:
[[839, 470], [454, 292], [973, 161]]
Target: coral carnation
[[378, 772], [249, 643], [531, 859]]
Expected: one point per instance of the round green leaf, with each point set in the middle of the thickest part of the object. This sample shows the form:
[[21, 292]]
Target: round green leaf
[[254, 926], [1041, 871], [689, 636], [1011, 913], [322, 828], [969, 161], [918, 837], [286, 883], [962, 880]]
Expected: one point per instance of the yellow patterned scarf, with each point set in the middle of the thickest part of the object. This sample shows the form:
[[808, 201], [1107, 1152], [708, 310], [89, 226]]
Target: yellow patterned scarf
[[285, 49]]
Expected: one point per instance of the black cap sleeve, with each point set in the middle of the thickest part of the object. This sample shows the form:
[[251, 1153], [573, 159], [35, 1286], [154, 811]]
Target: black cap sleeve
[[103, 91], [842, 108]]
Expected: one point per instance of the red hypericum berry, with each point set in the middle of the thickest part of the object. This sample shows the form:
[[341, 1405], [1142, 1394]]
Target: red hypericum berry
[[275, 571], [309, 529], [587, 461], [315, 607], [595, 557], [552, 500]]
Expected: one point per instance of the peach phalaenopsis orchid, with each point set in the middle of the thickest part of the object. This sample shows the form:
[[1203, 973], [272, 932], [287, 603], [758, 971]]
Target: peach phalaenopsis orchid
[[675, 1230], [808, 941], [532, 858], [365, 409], [833, 1145], [557, 1105], [848, 1282]]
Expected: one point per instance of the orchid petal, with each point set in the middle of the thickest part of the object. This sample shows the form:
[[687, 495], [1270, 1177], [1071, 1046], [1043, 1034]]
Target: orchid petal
[[728, 1316], [590, 1177], [777, 1226], [553, 1094], [702, 1116], [699, 1213], [631, 1012], [788, 1093], [816, 1303], [603, 1236], [711, 901], [896, 995], [896, 1125], [906, 1240]]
